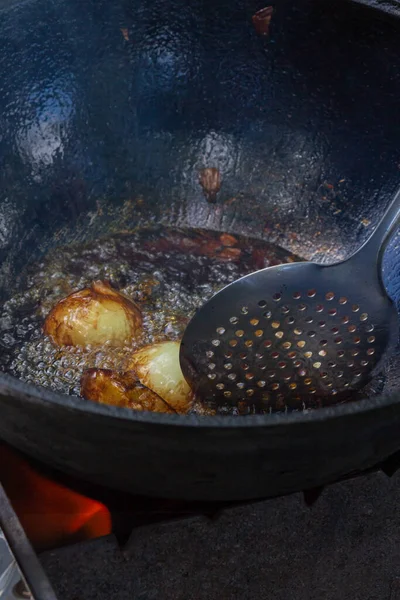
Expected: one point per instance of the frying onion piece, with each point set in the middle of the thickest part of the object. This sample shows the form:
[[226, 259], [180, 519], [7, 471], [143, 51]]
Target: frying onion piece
[[94, 316], [120, 389], [158, 368]]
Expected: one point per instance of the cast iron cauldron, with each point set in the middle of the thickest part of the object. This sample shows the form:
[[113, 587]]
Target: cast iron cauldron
[[106, 103]]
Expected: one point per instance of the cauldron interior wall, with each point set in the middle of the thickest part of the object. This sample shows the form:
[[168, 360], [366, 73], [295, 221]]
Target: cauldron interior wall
[[105, 103]]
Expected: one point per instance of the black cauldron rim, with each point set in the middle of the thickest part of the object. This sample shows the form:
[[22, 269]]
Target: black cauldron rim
[[38, 395]]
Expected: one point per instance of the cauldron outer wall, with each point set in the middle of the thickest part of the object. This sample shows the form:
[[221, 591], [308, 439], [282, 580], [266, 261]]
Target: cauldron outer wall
[[196, 461]]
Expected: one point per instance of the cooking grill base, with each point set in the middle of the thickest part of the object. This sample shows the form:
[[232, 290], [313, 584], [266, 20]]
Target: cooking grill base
[[346, 547], [131, 512], [341, 541]]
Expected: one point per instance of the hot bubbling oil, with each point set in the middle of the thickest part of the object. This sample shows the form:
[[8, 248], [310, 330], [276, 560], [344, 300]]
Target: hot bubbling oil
[[168, 272]]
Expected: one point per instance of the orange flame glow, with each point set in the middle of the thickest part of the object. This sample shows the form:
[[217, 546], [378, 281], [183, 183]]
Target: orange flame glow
[[51, 514]]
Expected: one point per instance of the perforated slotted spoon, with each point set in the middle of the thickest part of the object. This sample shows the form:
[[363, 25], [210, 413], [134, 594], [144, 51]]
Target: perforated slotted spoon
[[281, 334]]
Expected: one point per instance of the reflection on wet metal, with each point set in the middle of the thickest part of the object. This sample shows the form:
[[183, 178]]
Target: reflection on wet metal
[[9, 572], [21, 591]]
